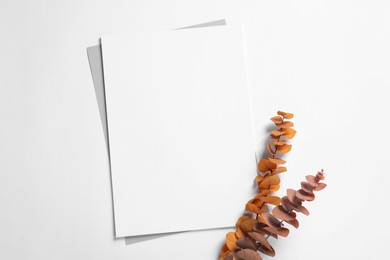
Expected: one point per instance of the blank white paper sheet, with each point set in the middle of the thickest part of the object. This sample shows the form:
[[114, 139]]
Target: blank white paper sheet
[[180, 130]]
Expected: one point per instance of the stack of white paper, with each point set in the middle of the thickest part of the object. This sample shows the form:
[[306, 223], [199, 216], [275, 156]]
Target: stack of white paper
[[180, 130]]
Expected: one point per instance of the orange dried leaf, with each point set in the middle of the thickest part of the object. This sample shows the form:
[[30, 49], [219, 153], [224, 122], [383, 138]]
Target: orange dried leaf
[[241, 219], [274, 200], [289, 133], [246, 243], [231, 239], [285, 114], [277, 119], [279, 143], [247, 225], [261, 239], [265, 165], [248, 254], [269, 181], [240, 233], [277, 160], [279, 170], [287, 124], [270, 149], [277, 133], [284, 148], [259, 178]]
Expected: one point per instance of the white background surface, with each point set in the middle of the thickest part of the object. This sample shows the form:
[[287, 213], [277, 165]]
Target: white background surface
[[327, 61]]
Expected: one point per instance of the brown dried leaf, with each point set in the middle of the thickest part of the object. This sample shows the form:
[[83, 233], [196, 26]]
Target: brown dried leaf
[[282, 214], [277, 160], [267, 251], [279, 170], [231, 240], [289, 133], [284, 148], [245, 243], [292, 197], [303, 210], [278, 231], [307, 186], [259, 228], [303, 195], [261, 239], [277, 119], [287, 204], [271, 221], [312, 180], [248, 254], [320, 186], [293, 222]]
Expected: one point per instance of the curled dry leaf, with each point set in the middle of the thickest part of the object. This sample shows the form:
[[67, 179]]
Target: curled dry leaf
[[248, 254], [289, 133], [285, 114], [266, 251], [246, 243], [247, 225], [279, 170], [277, 120], [281, 213], [231, 240], [260, 239], [277, 160], [266, 165], [284, 148]]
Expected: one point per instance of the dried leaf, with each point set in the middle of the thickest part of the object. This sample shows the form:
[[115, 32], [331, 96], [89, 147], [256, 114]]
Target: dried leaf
[[285, 114], [278, 231], [271, 221], [269, 181], [241, 219], [307, 186], [279, 143], [245, 243], [239, 233], [266, 165], [303, 210], [312, 180], [279, 170], [284, 148], [248, 254], [282, 214], [289, 133], [247, 225], [274, 200], [277, 119], [287, 124], [293, 222], [277, 160], [277, 133], [270, 149], [320, 186], [292, 197], [261, 239], [259, 178], [231, 240], [303, 195], [267, 251]]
